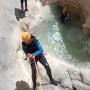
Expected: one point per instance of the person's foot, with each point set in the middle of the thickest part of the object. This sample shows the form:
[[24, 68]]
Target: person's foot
[[26, 9], [54, 82], [35, 88]]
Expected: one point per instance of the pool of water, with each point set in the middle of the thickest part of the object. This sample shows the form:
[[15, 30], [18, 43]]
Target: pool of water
[[63, 41]]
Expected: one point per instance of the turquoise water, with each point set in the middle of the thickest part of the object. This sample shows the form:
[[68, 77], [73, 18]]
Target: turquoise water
[[63, 41]]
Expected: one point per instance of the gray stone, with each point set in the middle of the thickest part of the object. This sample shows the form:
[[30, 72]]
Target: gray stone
[[67, 89], [79, 85], [65, 80], [74, 74], [85, 75]]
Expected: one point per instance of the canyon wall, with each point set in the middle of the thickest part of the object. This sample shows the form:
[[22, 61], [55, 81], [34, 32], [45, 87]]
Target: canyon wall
[[80, 8]]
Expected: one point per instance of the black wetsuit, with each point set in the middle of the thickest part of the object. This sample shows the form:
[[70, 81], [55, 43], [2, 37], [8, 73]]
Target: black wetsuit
[[63, 17]]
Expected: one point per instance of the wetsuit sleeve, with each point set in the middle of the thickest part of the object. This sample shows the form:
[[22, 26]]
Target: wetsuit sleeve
[[39, 49], [24, 49]]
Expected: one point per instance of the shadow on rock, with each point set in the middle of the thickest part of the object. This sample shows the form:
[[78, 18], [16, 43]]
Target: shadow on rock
[[22, 85], [19, 14], [74, 88]]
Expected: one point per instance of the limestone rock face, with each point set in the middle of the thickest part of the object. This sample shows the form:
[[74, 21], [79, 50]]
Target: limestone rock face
[[65, 80], [74, 74], [79, 85], [85, 77]]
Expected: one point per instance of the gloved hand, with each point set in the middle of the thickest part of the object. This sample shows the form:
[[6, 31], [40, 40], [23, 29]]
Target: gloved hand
[[31, 56], [25, 58]]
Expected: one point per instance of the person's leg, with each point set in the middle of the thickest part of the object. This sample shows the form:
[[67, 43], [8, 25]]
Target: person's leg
[[44, 62], [26, 5], [33, 67], [66, 19], [22, 4]]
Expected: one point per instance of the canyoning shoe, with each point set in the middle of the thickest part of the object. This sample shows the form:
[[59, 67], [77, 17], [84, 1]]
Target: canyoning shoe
[[26, 9], [35, 88], [54, 82]]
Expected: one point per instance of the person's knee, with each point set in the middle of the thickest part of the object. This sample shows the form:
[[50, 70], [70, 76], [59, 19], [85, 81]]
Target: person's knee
[[46, 66]]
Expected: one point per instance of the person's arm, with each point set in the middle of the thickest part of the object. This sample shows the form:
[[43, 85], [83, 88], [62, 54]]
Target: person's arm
[[39, 49], [25, 51]]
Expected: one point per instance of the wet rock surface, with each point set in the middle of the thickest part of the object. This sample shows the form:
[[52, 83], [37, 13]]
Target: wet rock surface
[[70, 77], [12, 70]]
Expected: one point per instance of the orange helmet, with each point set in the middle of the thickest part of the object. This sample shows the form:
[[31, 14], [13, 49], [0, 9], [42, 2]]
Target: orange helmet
[[26, 36]]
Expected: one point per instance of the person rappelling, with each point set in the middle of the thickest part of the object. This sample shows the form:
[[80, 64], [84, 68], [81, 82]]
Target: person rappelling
[[33, 49], [64, 15]]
